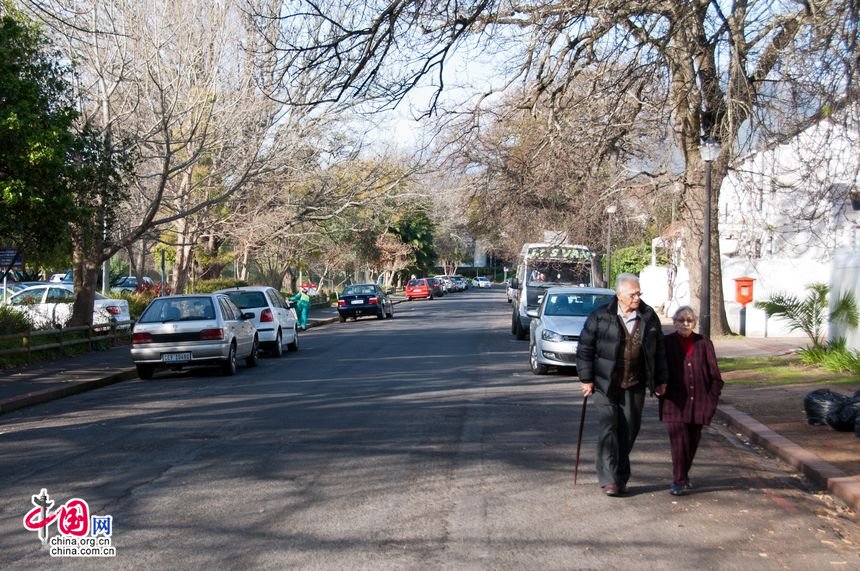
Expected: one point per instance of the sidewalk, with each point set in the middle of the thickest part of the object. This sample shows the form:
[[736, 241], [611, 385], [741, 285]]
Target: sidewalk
[[779, 409]]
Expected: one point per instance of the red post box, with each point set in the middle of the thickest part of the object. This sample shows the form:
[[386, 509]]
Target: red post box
[[744, 290], [743, 295]]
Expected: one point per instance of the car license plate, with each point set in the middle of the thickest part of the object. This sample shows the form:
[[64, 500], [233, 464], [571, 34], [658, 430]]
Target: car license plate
[[175, 357], [357, 301]]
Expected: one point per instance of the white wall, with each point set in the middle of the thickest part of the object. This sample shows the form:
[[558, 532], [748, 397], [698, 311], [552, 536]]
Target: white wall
[[845, 277]]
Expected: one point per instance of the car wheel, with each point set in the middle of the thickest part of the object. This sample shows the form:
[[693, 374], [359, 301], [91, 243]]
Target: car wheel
[[229, 366], [390, 313], [251, 360], [145, 371], [381, 314], [294, 346], [278, 349], [537, 367], [342, 318], [431, 297], [514, 321]]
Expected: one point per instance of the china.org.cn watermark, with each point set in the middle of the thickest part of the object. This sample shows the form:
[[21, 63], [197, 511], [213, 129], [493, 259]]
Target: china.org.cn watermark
[[79, 534]]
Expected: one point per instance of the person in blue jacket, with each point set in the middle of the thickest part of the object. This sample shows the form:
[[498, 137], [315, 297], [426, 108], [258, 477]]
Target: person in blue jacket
[[303, 304]]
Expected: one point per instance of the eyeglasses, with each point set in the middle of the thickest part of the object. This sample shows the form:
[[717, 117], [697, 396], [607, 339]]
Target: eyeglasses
[[684, 320], [635, 294]]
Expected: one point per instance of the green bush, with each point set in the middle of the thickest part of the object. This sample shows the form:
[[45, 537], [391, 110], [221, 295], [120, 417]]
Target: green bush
[[208, 286], [12, 322], [832, 356], [137, 301]]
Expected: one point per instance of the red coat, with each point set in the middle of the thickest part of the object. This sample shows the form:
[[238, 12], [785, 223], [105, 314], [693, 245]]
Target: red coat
[[695, 383]]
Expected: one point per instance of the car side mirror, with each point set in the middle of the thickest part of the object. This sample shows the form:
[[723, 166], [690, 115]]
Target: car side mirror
[[515, 283], [533, 313]]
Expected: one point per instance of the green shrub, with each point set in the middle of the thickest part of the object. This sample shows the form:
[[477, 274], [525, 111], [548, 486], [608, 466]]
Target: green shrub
[[833, 357], [208, 286], [137, 301], [12, 322]]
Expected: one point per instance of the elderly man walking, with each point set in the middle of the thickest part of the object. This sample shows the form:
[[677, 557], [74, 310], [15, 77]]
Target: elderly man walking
[[620, 353]]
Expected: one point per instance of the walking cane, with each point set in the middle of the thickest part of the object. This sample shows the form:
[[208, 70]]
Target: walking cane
[[579, 440]]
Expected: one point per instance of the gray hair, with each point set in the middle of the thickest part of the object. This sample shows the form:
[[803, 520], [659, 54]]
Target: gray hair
[[625, 278], [685, 309]]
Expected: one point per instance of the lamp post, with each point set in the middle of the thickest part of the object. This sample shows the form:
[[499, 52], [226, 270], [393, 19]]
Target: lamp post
[[610, 210], [710, 150]]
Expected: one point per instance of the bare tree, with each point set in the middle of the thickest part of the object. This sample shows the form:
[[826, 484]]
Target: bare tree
[[724, 69]]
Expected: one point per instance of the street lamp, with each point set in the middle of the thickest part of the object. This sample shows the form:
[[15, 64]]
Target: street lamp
[[610, 210], [710, 150]]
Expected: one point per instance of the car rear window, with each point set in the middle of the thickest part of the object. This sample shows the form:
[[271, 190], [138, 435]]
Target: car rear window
[[248, 299], [183, 309], [359, 290], [415, 283]]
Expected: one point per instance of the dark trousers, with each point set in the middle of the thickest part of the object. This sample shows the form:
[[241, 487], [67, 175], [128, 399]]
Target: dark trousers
[[619, 416], [684, 439]]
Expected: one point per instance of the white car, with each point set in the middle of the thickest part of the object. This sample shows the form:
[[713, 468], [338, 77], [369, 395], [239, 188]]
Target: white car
[[275, 321], [481, 282], [50, 305], [556, 324]]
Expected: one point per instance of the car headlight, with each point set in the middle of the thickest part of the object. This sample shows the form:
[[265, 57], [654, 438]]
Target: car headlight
[[548, 335]]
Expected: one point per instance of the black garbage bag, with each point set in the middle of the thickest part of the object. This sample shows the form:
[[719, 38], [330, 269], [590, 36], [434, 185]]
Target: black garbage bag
[[819, 403], [844, 417]]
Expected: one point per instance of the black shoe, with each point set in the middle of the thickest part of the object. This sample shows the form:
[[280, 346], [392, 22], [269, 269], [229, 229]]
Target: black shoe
[[676, 490], [688, 485]]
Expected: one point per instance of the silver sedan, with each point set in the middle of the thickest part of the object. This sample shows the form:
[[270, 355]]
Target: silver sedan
[[557, 323], [193, 330]]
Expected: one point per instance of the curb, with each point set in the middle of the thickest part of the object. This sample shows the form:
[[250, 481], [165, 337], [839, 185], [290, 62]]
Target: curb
[[29, 399], [823, 475]]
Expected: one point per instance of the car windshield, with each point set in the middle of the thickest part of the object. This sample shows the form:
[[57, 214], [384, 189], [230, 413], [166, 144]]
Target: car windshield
[[248, 299], [359, 290], [575, 304], [179, 309]]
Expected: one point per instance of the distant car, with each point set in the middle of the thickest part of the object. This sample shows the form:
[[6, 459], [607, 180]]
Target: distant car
[[14, 287], [557, 323], [276, 322], [130, 283], [510, 290], [460, 283], [481, 282], [438, 289], [196, 330], [364, 299], [50, 305], [419, 288], [447, 284], [57, 277]]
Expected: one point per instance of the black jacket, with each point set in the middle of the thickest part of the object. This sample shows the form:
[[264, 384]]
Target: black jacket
[[599, 344]]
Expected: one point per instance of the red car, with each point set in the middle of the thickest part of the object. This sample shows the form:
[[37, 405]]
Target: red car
[[419, 288]]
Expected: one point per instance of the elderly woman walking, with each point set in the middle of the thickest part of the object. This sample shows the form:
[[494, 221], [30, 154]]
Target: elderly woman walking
[[691, 396]]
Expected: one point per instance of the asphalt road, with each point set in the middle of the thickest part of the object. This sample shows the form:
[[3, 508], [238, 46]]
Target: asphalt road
[[418, 442]]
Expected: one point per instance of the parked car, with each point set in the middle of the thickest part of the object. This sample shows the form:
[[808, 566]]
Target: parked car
[[460, 283], [50, 305], [420, 288], [446, 282], [14, 287], [481, 282], [556, 324], [130, 283], [438, 290], [364, 299], [180, 331], [510, 290], [275, 320]]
